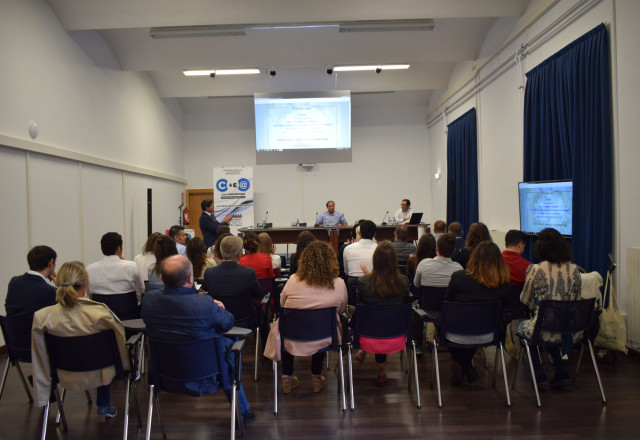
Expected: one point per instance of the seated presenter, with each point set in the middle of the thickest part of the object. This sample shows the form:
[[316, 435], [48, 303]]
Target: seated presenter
[[331, 217]]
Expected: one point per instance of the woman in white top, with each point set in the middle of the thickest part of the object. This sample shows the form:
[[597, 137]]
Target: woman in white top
[[147, 257]]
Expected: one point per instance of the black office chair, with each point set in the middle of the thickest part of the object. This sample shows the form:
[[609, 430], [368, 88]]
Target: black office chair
[[471, 325], [381, 323], [193, 368], [430, 301], [306, 325], [561, 318], [123, 305], [17, 336], [268, 286], [81, 354]]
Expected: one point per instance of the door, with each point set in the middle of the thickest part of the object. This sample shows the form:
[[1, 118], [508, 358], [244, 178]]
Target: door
[[194, 198]]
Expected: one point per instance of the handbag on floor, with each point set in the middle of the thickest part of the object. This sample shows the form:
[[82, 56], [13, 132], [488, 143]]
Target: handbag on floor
[[613, 330]]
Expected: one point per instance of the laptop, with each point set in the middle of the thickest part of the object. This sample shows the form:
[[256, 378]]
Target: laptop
[[415, 218]]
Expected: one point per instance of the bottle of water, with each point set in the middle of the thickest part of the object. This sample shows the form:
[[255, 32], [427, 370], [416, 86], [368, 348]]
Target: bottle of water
[[297, 223]]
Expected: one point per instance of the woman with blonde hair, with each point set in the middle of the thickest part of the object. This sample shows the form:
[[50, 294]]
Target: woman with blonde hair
[[315, 285], [486, 279], [267, 247], [75, 315], [147, 256]]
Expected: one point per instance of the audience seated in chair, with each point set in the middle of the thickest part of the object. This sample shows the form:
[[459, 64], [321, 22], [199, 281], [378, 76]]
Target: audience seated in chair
[[197, 255], [165, 247], [253, 258], [404, 249]]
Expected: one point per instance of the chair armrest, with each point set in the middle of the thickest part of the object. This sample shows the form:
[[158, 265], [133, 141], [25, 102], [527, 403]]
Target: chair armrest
[[134, 339], [265, 299], [238, 332], [237, 346], [422, 314]]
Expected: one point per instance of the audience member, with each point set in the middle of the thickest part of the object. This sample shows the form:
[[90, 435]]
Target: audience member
[[436, 272], [75, 315], [267, 247], [147, 257], [426, 249], [315, 285], [331, 217], [352, 239], [439, 228], [455, 229], [177, 233], [403, 215], [259, 262], [209, 224], [478, 232], [304, 238], [403, 248], [197, 254], [215, 249], [358, 257], [486, 279], [383, 286], [113, 275], [554, 278], [33, 290], [165, 247], [179, 314], [514, 243]]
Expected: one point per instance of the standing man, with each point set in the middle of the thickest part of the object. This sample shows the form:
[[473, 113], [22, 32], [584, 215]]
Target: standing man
[[177, 233], [512, 255], [209, 224], [403, 215], [179, 314], [33, 290], [331, 217], [113, 275]]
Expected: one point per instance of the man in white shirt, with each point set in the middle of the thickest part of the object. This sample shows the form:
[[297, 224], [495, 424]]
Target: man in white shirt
[[177, 233], [359, 254], [113, 275], [403, 215]]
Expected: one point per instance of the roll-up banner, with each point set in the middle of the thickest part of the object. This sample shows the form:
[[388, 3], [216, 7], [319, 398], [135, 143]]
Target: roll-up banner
[[233, 194]]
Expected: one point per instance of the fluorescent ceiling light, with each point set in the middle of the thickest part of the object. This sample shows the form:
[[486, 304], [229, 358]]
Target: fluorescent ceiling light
[[221, 72], [371, 67]]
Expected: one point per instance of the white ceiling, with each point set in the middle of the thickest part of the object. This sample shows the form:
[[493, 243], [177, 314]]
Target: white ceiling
[[300, 57]]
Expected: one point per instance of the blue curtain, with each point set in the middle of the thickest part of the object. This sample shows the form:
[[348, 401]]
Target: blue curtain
[[567, 135], [462, 170]]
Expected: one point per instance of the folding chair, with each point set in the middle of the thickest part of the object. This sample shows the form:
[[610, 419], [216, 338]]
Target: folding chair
[[17, 336], [123, 305], [374, 324], [193, 368], [564, 318], [471, 325], [307, 325], [81, 354]]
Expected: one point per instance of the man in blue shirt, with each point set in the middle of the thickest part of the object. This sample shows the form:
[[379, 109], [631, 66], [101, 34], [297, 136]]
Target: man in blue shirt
[[179, 314], [331, 217]]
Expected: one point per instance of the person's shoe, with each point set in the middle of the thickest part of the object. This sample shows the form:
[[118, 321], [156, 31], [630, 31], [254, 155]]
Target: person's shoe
[[419, 351], [107, 412], [318, 383], [458, 377], [472, 375], [543, 383], [289, 383], [382, 376], [360, 356], [560, 380], [248, 417]]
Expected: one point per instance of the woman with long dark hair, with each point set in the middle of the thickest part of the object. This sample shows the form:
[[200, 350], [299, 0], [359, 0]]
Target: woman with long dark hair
[[384, 285], [478, 232], [165, 247], [304, 238], [197, 254]]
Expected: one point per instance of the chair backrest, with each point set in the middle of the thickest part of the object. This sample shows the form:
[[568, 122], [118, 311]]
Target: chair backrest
[[192, 368], [473, 324], [123, 305], [513, 300], [305, 325], [267, 285], [83, 353], [568, 317], [381, 322], [241, 306], [431, 298], [17, 336], [283, 261]]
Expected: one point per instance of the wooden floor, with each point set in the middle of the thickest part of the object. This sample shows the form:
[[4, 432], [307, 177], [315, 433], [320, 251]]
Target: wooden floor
[[382, 412]]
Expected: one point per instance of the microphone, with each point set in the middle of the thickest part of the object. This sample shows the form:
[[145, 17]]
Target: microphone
[[384, 218], [316, 220], [264, 223]]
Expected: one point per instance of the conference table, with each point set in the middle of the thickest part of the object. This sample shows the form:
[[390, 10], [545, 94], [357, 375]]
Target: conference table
[[333, 235]]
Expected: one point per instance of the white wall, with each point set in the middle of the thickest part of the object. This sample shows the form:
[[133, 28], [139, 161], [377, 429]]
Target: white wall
[[390, 160], [82, 105], [500, 116]]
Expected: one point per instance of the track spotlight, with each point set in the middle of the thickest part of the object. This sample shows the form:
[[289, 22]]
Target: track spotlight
[[272, 72], [330, 71], [212, 74], [378, 69]]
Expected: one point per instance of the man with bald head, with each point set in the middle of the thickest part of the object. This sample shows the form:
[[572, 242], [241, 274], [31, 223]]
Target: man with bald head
[[178, 313]]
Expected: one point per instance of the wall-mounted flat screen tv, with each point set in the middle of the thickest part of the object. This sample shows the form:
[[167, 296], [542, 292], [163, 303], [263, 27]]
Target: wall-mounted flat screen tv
[[303, 127], [546, 205]]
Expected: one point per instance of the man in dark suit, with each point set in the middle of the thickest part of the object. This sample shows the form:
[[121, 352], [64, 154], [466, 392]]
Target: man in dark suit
[[232, 283], [33, 290], [455, 229], [209, 224]]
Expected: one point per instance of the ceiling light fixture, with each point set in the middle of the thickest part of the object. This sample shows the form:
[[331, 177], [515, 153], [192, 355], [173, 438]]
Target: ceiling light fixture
[[218, 72], [373, 68]]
